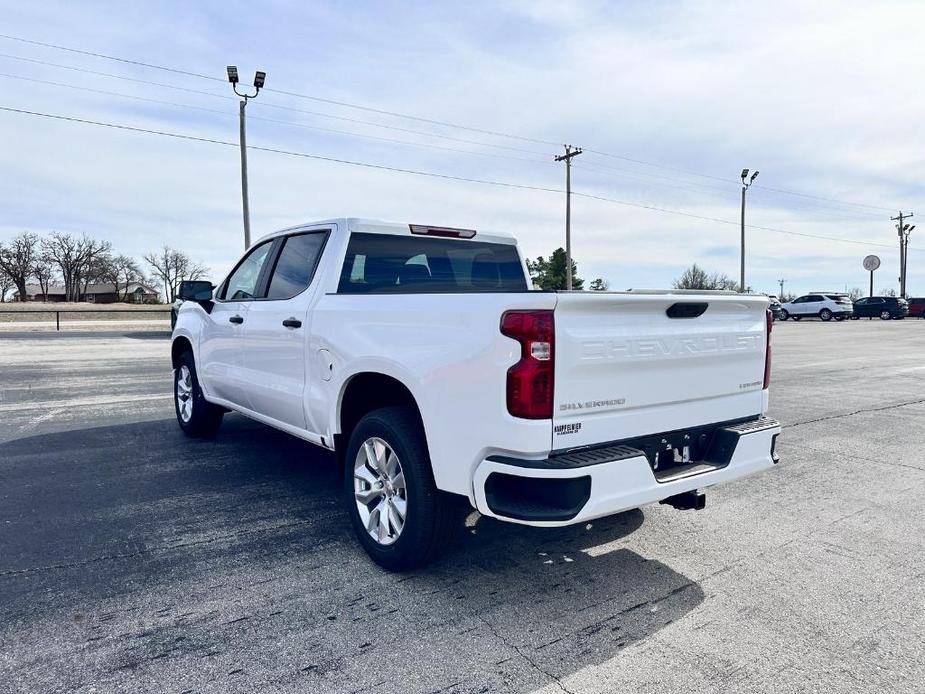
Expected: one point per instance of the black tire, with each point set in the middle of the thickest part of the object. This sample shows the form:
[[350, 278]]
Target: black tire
[[825, 314], [432, 517], [839, 318], [205, 418], [885, 315], [784, 315]]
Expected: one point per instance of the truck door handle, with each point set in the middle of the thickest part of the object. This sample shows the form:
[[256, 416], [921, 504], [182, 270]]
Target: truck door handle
[[236, 319], [292, 323]]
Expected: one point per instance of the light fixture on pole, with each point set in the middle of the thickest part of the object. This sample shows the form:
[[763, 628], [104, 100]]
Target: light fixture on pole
[[745, 186], [259, 79]]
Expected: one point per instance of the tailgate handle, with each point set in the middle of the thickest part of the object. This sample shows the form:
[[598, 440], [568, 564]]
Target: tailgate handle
[[688, 309]]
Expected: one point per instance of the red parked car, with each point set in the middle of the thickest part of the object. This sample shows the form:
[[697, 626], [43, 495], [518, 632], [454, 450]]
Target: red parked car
[[917, 308]]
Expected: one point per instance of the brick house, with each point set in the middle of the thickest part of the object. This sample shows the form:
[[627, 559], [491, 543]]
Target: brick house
[[105, 293]]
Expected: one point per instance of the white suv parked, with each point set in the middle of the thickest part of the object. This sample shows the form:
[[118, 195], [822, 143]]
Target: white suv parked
[[824, 306]]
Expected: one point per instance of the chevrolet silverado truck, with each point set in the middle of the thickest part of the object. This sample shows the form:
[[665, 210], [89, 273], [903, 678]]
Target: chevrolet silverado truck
[[422, 357]]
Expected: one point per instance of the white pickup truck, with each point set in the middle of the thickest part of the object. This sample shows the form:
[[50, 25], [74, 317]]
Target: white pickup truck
[[420, 355]]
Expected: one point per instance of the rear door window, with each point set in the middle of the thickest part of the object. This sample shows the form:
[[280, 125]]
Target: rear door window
[[388, 263], [296, 265]]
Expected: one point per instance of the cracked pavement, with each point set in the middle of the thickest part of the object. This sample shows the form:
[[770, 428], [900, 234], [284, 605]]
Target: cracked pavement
[[133, 559]]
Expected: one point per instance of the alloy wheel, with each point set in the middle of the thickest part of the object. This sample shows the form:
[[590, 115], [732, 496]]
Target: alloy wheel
[[185, 393], [379, 490]]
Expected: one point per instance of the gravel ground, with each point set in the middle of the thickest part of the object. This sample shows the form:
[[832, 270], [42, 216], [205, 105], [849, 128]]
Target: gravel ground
[[133, 559]]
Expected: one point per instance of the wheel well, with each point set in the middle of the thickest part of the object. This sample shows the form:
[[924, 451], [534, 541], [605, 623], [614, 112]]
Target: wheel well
[[179, 346], [366, 392]]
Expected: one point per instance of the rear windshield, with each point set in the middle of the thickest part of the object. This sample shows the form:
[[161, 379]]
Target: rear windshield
[[385, 263]]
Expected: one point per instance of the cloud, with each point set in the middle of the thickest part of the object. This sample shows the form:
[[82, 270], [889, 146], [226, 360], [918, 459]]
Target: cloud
[[819, 97]]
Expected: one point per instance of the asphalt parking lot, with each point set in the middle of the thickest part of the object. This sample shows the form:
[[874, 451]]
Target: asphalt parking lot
[[134, 559]]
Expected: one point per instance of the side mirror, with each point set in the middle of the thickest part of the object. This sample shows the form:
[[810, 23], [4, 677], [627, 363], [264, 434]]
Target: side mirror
[[195, 290]]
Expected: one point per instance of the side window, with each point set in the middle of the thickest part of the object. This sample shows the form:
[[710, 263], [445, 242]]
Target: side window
[[813, 298], [800, 300], [296, 265], [242, 284], [860, 302]]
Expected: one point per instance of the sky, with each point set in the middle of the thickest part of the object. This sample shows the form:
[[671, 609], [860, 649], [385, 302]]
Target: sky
[[669, 100]]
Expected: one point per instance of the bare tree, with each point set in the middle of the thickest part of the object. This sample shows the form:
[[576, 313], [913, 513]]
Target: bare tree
[[17, 260], [75, 258], [99, 270], [6, 284], [695, 277], [44, 272], [171, 267], [125, 271]]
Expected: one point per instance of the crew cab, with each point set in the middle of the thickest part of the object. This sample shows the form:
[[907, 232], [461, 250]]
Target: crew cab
[[421, 357]]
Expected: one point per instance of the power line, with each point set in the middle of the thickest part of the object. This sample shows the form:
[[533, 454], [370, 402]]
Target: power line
[[270, 120], [306, 155], [319, 99], [275, 106], [429, 174], [680, 183], [656, 208], [127, 61], [430, 121], [597, 167]]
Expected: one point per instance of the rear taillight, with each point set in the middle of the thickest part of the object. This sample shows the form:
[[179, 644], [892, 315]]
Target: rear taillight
[[769, 317], [530, 380]]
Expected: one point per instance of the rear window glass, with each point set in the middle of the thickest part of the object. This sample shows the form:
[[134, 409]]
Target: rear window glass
[[386, 263]]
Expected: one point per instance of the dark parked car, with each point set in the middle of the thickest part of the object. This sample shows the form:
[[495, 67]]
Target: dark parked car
[[917, 308], [883, 307]]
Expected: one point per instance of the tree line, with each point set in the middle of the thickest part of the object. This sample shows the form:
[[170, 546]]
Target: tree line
[[76, 262]]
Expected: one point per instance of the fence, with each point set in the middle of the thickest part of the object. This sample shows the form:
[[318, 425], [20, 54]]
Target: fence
[[166, 310]]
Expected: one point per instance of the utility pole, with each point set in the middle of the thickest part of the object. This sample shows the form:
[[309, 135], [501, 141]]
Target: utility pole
[[259, 79], [903, 230], [781, 295], [745, 186], [567, 158]]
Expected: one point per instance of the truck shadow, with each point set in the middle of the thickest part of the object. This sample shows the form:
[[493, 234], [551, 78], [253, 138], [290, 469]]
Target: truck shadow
[[132, 547]]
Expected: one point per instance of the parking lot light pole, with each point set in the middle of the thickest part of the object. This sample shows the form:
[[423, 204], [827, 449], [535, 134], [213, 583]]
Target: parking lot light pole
[[745, 186], [259, 79]]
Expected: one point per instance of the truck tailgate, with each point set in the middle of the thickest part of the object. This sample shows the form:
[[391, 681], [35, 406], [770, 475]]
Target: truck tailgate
[[625, 368]]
